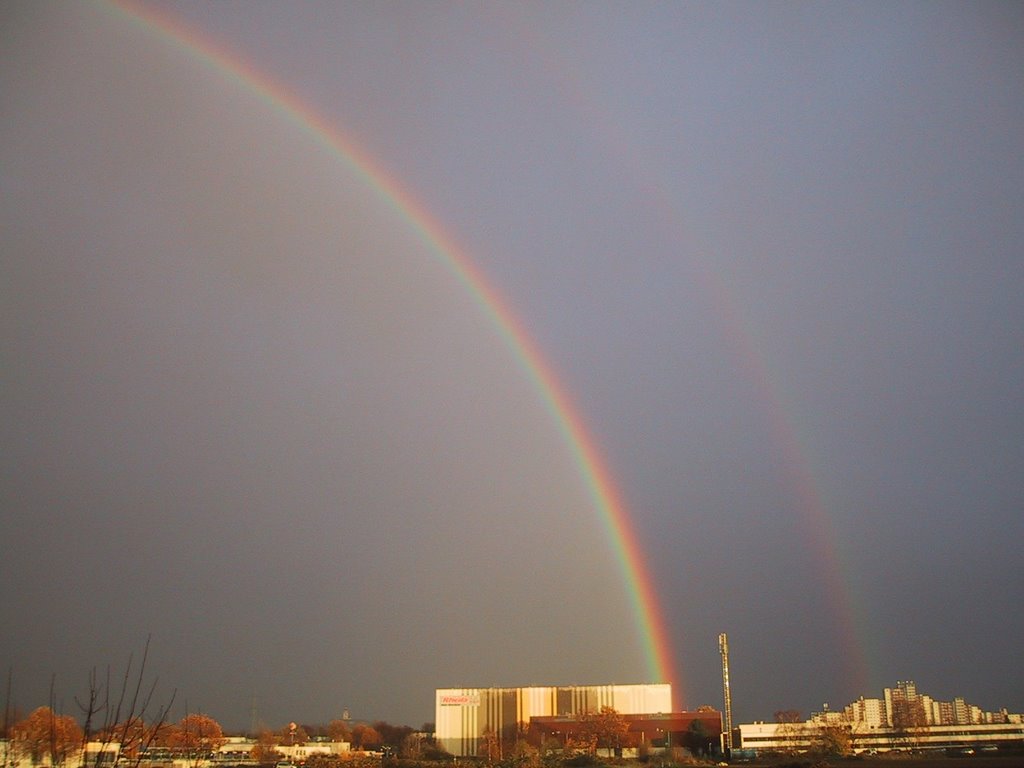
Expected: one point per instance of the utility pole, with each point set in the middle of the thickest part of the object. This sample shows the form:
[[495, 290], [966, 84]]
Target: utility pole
[[723, 648]]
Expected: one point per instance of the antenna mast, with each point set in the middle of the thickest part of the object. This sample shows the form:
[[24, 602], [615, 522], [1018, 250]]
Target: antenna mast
[[723, 648]]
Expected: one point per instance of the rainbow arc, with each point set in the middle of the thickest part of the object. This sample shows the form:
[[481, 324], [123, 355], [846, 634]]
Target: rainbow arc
[[607, 500]]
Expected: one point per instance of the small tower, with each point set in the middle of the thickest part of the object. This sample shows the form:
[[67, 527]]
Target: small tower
[[723, 648]]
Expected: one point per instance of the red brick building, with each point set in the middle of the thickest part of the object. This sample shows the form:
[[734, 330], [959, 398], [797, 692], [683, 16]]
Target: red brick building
[[671, 729]]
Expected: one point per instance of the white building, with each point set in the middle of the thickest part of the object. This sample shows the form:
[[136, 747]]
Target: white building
[[805, 737], [903, 719], [464, 715], [869, 711], [96, 753], [299, 753]]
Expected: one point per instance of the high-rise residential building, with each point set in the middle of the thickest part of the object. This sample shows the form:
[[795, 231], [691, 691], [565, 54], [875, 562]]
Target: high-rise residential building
[[927, 709], [904, 707], [961, 712], [872, 712], [946, 713], [903, 719]]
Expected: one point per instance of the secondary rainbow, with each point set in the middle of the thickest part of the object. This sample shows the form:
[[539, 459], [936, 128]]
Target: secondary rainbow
[[849, 615], [607, 499]]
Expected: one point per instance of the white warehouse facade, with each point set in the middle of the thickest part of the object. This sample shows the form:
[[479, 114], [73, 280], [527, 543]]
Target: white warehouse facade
[[464, 715]]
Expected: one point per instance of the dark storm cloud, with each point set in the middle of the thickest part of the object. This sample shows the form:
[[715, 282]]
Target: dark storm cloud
[[249, 411], [327, 446]]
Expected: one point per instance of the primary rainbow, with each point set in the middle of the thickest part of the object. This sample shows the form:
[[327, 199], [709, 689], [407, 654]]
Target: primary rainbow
[[607, 499]]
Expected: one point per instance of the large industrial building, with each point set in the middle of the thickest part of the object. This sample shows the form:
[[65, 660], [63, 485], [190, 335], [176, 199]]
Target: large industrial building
[[464, 715]]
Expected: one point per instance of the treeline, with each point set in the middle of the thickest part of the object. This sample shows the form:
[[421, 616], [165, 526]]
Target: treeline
[[360, 735], [47, 737], [380, 735], [121, 715]]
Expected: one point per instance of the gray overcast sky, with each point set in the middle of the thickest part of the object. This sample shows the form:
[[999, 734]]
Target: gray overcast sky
[[775, 252]]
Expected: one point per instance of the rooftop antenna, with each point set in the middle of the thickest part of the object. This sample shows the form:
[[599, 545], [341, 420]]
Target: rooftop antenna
[[723, 648]]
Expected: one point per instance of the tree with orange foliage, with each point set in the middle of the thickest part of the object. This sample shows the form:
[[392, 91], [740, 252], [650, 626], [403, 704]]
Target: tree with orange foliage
[[46, 734], [605, 728], [338, 730], [293, 734], [266, 750], [610, 728], [365, 737], [490, 746], [195, 736]]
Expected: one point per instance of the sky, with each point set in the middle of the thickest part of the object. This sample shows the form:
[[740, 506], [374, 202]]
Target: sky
[[772, 253]]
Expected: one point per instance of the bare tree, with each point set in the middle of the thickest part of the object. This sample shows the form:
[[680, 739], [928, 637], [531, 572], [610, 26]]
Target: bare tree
[[9, 718], [908, 720], [790, 729], [117, 719], [833, 739]]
